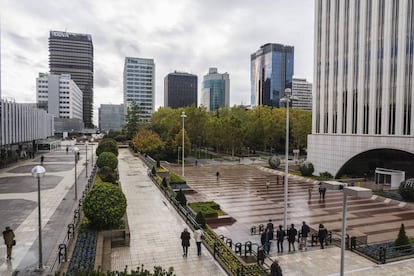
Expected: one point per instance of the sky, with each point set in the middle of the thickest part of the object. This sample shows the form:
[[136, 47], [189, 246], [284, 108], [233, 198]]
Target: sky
[[183, 35]]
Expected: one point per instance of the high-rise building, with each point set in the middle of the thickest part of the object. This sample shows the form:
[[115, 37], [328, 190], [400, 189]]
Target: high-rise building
[[271, 73], [363, 87], [302, 90], [59, 95], [215, 91], [180, 89], [139, 85], [71, 53], [111, 117]]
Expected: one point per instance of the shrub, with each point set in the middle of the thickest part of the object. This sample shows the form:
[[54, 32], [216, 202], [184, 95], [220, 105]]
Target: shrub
[[407, 189], [153, 171], [325, 176], [274, 162], [180, 197], [164, 182], [107, 159], [120, 138], [107, 145], [306, 169], [105, 205], [402, 239], [108, 175], [200, 219]]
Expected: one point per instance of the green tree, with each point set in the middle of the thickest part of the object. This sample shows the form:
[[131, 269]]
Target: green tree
[[107, 174], [107, 145], [105, 205], [133, 121], [200, 219], [180, 197], [178, 142], [107, 159], [402, 241]]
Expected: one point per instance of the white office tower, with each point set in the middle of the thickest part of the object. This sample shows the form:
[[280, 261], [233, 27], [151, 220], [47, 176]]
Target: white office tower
[[139, 85], [363, 87], [302, 90], [59, 96]]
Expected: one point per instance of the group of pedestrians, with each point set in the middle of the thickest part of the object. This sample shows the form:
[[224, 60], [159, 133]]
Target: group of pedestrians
[[266, 237], [185, 240]]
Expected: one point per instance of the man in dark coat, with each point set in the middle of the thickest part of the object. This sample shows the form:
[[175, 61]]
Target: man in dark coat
[[291, 233], [280, 236], [185, 241], [275, 269], [304, 236], [8, 236], [322, 234]]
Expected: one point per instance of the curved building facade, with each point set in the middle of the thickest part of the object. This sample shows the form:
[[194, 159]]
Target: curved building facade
[[363, 82]]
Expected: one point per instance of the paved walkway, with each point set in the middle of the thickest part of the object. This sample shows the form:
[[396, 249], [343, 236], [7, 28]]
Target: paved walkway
[[155, 227], [241, 192], [18, 208]]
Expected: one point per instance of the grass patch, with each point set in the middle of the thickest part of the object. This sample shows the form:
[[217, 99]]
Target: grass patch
[[161, 169], [208, 208], [175, 179]]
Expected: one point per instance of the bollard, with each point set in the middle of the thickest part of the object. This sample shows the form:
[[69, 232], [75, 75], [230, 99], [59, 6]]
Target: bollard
[[260, 255], [229, 242], [62, 253], [253, 230], [347, 242], [221, 237], [71, 230], [353, 243], [382, 254], [314, 239], [238, 248], [76, 216], [215, 250], [247, 248]]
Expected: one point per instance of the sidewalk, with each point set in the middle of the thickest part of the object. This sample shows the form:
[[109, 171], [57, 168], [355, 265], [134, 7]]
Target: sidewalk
[[155, 227], [18, 209]]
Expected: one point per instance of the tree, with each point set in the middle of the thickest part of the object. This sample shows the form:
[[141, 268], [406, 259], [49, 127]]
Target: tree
[[406, 189], [133, 122], [306, 169], [105, 205], [200, 219], [402, 239], [107, 174], [147, 141], [107, 145], [178, 142], [107, 159], [180, 197]]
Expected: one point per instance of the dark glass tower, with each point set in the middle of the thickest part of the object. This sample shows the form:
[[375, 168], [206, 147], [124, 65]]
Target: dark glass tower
[[271, 73], [71, 53], [180, 89]]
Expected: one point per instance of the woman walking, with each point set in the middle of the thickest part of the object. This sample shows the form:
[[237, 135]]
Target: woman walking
[[185, 241]]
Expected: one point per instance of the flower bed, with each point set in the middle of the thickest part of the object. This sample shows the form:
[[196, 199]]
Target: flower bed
[[83, 257], [209, 208], [391, 251]]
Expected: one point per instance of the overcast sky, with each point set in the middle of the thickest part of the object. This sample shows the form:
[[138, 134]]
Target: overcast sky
[[182, 35]]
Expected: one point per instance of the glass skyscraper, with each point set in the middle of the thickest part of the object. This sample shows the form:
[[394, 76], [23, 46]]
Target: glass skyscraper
[[271, 72], [215, 92]]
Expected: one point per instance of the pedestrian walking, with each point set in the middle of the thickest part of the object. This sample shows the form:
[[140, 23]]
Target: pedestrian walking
[[42, 159], [271, 229], [8, 236], [291, 233], [323, 192], [67, 150], [185, 241], [322, 234], [198, 237], [196, 162], [217, 175], [304, 236], [275, 269], [280, 236], [267, 185]]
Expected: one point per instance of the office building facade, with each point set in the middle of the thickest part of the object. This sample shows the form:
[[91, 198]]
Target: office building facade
[[272, 68], [72, 53], [59, 95], [139, 85], [215, 90], [363, 86], [180, 90], [302, 90], [111, 117]]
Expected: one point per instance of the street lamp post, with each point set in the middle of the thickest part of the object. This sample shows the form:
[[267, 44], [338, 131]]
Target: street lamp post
[[76, 151], [288, 98], [92, 140], [178, 156], [38, 172], [346, 191], [182, 160], [86, 162]]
